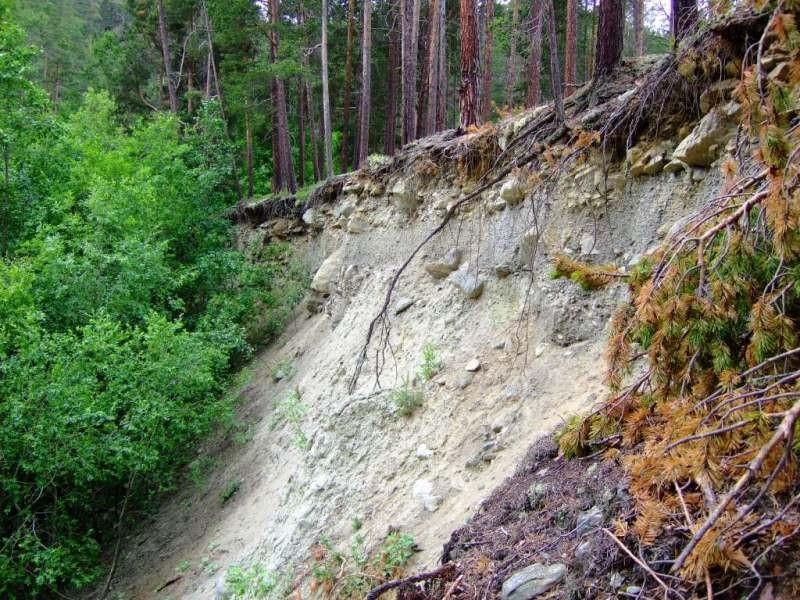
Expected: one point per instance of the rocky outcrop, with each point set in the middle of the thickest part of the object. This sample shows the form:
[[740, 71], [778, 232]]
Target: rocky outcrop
[[467, 280], [441, 268], [532, 581], [328, 273], [404, 195], [702, 146]]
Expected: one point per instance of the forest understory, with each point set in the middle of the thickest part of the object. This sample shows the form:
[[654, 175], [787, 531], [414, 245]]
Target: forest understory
[[167, 188]]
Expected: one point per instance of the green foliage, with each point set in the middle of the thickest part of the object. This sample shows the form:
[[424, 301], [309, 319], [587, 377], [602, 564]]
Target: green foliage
[[431, 362], [123, 310], [256, 581], [283, 369], [229, 491], [407, 399], [292, 411], [351, 574]]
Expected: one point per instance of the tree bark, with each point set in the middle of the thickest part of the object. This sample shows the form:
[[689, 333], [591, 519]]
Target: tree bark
[[571, 48], [348, 85], [638, 27], [410, 31], [189, 89], [535, 57], [441, 111], [313, 131], [390, 132], [511, 75], [591, 37], [468, 93], [326, 97], [433, 67], [307, 104], [282, 159], [301, 126], [488, 48], [249, 153], [366, 90], [162, 34], [555, 67], [424, 90], [610, 29], [683, 18]]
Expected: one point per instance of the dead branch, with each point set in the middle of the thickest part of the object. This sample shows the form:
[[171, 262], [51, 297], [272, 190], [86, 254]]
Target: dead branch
[[439, 573], [782, 433], [667, 589]]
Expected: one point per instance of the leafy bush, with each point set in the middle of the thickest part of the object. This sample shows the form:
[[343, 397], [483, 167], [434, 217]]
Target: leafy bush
[[256, 581], [124, 307], [407, 399], [431, 363], [291, 410], [350, 575]]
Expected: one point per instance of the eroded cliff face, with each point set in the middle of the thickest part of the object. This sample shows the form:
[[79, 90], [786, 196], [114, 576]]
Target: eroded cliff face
[[515, 353]]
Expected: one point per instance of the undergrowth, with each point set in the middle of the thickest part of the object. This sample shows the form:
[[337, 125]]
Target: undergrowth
[[292, 411], [407, 398], [704, 362], [256, 582], [351, 574], [431, 362]]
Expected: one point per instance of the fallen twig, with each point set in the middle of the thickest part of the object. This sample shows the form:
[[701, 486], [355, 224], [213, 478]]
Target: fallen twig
[[783, 432], [642, 564], [390, 585]]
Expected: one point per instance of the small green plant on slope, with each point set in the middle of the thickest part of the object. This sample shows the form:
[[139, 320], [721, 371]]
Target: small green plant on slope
[[431, 362], [407, 398], [346, 576], [183, 567], [256, 581], [291, 410], [230, 490], [284, 369]]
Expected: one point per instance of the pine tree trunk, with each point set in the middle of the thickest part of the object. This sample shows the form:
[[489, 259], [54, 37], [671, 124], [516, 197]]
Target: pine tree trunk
[[348, 85], [638, 27], [535, 57], [189, 89], [571, 48], [441, 112], [162, 34], [282, 159], [610, 29], [390, 132], [468, 92], [366, 91], [248, 125], [488, 48], [424, 89], [511, 75], [555, 67], [410, 30], [307, 105], [684, 18], [326, 96], [591, 37], [301, 127], [433, 67], [313, 130]]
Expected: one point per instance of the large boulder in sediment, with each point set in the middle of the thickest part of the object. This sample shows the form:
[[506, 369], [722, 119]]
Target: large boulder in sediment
[[404, 195], [441, 268], [467, 280], [328, 273], [532, 581], [513, 190], [702, 146]]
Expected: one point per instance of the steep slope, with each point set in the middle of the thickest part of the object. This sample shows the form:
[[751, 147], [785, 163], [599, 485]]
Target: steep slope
[[515, 361]]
